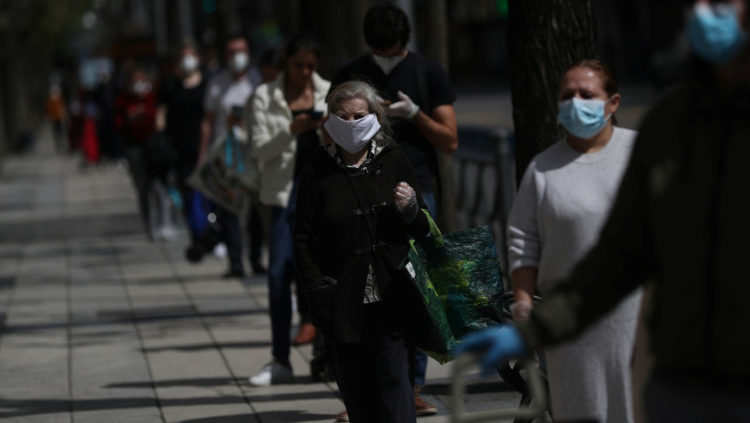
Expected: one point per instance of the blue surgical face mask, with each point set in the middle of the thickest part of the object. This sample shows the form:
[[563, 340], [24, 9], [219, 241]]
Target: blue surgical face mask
[[714, 32], [582, 118]]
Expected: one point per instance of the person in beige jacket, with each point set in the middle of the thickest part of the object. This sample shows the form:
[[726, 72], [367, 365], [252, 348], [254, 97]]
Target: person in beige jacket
[[284, 118]]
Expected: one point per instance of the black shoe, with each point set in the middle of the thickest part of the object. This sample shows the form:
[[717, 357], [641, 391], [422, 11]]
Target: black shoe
[[258, 269], [239, 274]]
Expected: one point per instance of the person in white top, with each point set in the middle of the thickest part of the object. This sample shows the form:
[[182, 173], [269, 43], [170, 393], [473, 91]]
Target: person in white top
[[562, 203], [284, 118], [229, 88]]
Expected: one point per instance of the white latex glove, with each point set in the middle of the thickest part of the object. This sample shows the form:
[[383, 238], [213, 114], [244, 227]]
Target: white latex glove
[[405, 199], [521, 311], [403, 109]]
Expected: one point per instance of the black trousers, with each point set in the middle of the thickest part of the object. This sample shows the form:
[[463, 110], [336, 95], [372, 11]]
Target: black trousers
[[232, 237], [373, 375]]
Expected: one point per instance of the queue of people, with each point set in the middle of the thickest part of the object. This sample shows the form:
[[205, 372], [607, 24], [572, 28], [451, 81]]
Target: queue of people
[[349, 167]]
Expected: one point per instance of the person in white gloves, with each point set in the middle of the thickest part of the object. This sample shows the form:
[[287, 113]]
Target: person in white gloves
[[358, 201], [419, 104]]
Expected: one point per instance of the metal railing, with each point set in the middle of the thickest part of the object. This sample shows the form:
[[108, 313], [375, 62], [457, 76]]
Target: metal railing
[[537, 407], [484, 177]]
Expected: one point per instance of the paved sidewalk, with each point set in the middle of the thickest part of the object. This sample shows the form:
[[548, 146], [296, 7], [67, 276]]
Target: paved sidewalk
[[99, 325]]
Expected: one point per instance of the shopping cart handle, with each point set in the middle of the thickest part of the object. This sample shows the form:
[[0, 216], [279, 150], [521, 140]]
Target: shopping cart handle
[[536, 408]]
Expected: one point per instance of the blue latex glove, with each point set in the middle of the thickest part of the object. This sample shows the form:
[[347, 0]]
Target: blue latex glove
[[497, 343]]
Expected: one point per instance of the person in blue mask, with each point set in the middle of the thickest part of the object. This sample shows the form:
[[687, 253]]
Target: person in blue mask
[[561, 204], [679, 222]]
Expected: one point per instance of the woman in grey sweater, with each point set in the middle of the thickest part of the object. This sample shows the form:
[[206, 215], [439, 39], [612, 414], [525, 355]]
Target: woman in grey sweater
[[563, 200]]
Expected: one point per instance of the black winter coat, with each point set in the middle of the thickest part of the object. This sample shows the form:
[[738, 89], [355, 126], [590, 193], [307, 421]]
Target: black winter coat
[[345, 221]]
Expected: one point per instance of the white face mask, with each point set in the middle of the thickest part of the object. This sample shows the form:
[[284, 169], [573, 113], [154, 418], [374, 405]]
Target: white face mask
[[387, 64], [238, 62], [352, 135], [189, 63], [141, 87]]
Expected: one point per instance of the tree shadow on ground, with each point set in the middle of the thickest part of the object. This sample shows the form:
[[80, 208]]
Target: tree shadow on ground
[[210, 346], [473, 388], [223, 381], [17, 408], [290, 416]]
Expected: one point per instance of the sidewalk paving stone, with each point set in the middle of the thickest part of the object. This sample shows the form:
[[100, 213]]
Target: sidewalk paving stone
[[97, 324]]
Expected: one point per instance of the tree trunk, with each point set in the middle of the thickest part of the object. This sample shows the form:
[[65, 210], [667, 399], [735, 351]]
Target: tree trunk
[[544, 37], [435, 44]]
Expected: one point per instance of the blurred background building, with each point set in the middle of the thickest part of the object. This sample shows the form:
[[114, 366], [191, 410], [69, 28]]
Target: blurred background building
[[79, 45]]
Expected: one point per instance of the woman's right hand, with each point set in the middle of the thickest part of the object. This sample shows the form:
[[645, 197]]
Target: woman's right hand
[[303, 123], [320, 299]]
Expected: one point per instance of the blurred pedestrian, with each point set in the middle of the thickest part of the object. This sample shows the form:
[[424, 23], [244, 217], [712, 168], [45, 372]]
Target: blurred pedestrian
[[284, 117], [135, 119], [358, 198], [420, 109], [54, 108], [563, 201], [679, 221], [181, 111], [228, 88]]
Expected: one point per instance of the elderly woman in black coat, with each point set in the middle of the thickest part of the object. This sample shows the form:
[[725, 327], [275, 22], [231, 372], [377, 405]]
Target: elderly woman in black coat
[[358, 204]]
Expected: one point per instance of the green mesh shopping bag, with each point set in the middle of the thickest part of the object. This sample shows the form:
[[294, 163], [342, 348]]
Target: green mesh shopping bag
[[459, 279]]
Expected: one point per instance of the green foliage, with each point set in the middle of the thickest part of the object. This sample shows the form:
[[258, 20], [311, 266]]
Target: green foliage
[[41, 27]]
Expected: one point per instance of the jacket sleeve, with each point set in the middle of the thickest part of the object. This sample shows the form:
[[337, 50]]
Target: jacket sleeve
[[265, 143], [620, 262], [309, 272], [524, 247]]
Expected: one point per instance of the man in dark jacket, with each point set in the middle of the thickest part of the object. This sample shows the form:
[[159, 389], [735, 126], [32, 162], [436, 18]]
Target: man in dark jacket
[[680, 221]]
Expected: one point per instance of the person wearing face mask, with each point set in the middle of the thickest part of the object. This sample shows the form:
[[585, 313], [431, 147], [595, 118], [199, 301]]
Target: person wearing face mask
[[419, 100], [135, 120], [358, 201], [561, 204], [679, 222], [284, 118], [180, 113], [230, 87]]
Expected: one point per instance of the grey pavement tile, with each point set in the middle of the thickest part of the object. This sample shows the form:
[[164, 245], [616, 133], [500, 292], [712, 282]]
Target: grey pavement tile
[[162, 290], [135, 410], [82, 290], [214, 288]]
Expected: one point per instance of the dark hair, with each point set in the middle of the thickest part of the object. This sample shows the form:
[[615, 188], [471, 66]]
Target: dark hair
[[609, 83], [233, 35], [385, 26], [270, 57], [301, 42]]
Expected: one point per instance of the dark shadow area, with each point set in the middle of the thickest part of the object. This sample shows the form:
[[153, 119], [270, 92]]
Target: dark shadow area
[[158, 280], [142, 316], [221, 381], [16, 205], [274, 416], [473, 388], [99, 251], [10, 254], [209, 346], [18, 408], [46, 252], [7, 282]]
